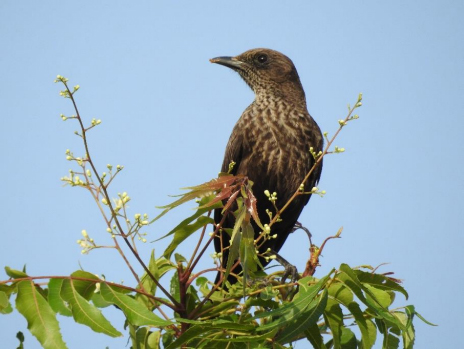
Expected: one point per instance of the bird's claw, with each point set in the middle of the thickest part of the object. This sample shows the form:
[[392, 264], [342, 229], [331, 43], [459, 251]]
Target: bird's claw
[[290, 270]]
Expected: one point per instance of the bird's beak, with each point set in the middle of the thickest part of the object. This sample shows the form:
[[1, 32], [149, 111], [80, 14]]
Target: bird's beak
[[230, 62]]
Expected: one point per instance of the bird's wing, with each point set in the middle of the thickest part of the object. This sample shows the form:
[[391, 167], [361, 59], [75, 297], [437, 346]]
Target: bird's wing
[[234, 151]]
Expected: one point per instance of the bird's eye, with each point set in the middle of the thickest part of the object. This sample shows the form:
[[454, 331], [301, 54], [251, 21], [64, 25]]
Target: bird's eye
[[262, 58]]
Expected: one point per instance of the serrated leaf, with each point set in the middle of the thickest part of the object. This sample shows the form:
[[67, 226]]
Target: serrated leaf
[[4, 301], [199, 212], [184, 232], [15, 274], [411, 308], [191, 333], [306, 301], [228, 325], [54, 297], [153, 340], [248, 339], [201, 190], [383, 298], [85, 288], [409, 334], [41, 319], [307, 319], [248, 256], [5, 306], [146, 282], [136, 313], [99, 301], [216, 308], [313, 334], [235, 244], [348, 339], [85, 313], [305, 295], [380, 281], [140, 336], [367, 339], [372, 331], [175, 287], [341, 293], [390, 341], [349, 278], [333, 316]]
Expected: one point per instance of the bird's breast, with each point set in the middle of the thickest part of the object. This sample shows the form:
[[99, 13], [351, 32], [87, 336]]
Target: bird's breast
[[276, 144]]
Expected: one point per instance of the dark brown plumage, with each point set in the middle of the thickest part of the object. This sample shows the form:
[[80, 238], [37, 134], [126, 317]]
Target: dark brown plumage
[[270, 142]]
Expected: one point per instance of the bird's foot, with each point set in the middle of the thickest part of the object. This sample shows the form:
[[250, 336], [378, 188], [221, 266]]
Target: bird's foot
[[289, 269]]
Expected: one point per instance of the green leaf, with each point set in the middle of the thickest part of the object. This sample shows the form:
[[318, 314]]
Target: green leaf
[[4, 301], [191, 333], [146, 282], [136, 313], [372, 332], [179, 258], [99, 301], [203, 190], [410, 308], [246, 339], [306, 303], [157, 267], [349, 278], [341, 293], [54, 297], [41, 319], [348, 340], [380, 281], [85, 313], [85, 288], [138, 336], [333, 316], [307, 319], [390, 341], [15, 274], [313, 334], [175, 287], [368, 338], [5, 305], [210, 309], [385, 299], [184, 232], [248, 256], [153, 340], [235, 237], [409, 334], [305, 295]]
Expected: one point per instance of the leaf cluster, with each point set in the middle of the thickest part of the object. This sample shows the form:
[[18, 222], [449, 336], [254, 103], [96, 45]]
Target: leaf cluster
[[347, 308]]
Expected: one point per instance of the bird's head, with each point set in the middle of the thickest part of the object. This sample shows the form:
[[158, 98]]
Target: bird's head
[[268, 73]]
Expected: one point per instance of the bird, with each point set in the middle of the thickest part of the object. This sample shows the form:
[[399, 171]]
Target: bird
[[270, 144]]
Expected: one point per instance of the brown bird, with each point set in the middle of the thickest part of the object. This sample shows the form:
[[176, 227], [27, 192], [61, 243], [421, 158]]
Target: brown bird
[[271, 143]]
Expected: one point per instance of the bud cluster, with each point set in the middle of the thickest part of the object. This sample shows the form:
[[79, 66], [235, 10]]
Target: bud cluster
[[314, 154], [86, 242], [266, 233], [272, 197], [338, 150], [315, 190]]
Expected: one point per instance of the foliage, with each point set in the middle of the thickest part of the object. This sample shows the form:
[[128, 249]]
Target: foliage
[[347, 308]]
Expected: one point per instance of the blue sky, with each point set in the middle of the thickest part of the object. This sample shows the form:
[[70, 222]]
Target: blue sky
[[167, 114]]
